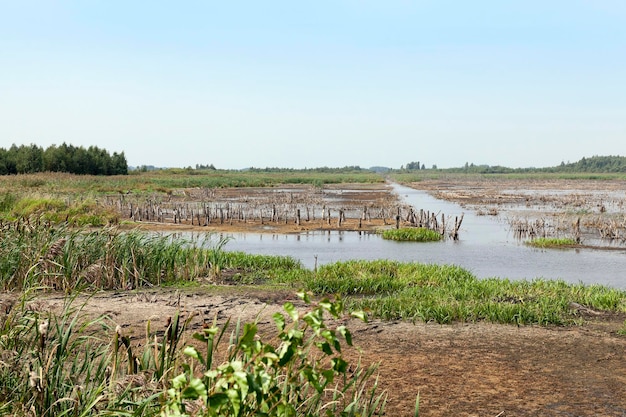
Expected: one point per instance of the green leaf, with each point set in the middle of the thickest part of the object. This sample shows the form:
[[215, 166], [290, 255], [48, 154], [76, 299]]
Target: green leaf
[[339, 365], [291, 310], [279, 319], [249, 331], [179, 381], [343, 331], [359, 315], [326, 304], [314, 320], [216, 401], [194, 390], [192, 353], [285, 353], [304, 297], [235, 400], [285, 410], [325, 347], [242, 380]]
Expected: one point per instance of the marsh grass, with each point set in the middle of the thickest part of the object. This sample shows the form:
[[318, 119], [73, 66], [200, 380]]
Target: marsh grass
[[63, 258], [44, 208], [552, 242], [164, 181], [448, 293], [412, 234], [37, 254], [69, 258]]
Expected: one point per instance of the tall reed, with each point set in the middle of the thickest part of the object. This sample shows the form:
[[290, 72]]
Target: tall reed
[[63, 258]]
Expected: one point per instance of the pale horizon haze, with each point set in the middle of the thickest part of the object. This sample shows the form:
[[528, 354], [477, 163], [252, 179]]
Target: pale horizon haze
[[311, 84]]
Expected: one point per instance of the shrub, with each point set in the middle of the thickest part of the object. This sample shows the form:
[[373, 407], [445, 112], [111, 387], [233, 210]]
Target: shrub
[[303, 374]]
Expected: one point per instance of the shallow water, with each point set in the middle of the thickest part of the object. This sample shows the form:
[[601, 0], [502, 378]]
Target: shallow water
[[484, 247]]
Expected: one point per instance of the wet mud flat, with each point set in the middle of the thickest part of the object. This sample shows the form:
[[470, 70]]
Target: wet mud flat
[[591, 211]]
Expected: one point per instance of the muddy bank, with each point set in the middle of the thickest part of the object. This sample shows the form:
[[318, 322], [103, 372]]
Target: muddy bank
[[464, 369]]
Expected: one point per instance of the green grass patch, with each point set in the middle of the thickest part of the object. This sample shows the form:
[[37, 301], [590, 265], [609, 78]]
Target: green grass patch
[[447, 293], [552, 242], [412, 234]]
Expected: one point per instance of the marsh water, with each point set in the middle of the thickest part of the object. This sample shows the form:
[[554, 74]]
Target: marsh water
[[485, 247]]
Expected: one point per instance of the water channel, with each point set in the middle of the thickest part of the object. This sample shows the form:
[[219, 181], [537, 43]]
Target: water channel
[[485, 247]]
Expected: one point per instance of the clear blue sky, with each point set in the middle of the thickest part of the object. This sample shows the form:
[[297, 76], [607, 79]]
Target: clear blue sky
[[323, 83]]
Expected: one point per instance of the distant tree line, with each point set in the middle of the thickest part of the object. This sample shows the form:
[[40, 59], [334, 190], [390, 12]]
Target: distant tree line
[[209, 167], [415, 166], [28, 159], [345, 169], [594, 164]]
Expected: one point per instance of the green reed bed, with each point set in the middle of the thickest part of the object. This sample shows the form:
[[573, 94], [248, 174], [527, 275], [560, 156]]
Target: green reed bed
[[412, 234], [552, 242], [446, 293], [64, 258], [34, 254]]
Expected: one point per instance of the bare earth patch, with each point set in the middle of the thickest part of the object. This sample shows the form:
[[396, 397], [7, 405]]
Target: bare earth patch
[[464, 369]]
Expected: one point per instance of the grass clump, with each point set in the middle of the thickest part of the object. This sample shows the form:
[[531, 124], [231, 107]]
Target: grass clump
[[412, 234], [552, 242], [447, 293]]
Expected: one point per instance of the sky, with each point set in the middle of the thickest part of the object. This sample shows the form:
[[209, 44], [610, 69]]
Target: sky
[[297, 84]]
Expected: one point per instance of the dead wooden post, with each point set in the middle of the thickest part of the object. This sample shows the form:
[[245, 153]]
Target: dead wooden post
[[298, 217], [457, 226], [443, 224]]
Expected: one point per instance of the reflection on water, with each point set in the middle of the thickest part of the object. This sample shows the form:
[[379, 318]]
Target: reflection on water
[[485, 248]]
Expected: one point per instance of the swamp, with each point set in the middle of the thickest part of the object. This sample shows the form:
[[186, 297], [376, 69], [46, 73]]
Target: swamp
[[132, 277]]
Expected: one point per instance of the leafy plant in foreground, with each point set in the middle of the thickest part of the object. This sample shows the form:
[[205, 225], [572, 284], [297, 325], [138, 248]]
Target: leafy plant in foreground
[[303, 374]]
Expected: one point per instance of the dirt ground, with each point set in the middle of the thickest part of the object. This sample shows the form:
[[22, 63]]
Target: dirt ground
[[464, 369]]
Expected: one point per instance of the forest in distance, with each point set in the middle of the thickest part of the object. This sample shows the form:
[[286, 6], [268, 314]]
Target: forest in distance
[[94, 160], [30, 159]]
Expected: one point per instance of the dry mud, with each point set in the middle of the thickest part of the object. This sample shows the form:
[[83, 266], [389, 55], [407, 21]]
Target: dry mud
[[463, 369]]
